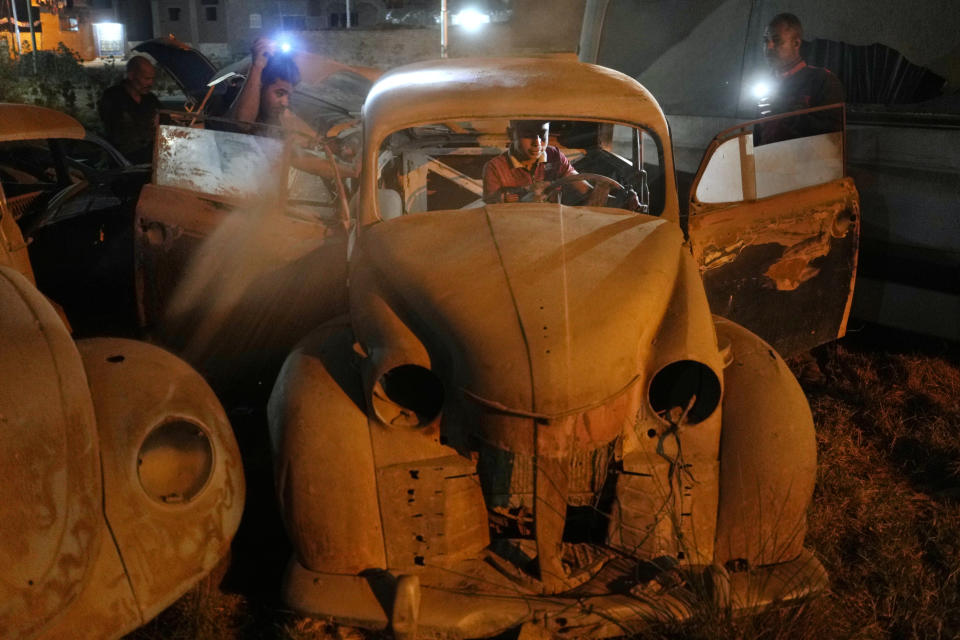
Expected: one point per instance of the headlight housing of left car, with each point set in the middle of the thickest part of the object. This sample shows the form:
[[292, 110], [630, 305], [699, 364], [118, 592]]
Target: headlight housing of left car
[[175, 461]]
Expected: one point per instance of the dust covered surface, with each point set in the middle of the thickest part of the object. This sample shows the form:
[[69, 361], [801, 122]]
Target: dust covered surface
[[885, 519]]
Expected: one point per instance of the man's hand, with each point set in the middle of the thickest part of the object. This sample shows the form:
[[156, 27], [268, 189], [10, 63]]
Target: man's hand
[[510, 194], [537, 190], [260, 52]]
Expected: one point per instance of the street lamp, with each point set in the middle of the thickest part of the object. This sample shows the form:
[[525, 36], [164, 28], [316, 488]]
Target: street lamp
[[443, 28], [470, 19]]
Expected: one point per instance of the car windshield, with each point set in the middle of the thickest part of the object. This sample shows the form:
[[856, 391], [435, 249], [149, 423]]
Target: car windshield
[[464, 164]]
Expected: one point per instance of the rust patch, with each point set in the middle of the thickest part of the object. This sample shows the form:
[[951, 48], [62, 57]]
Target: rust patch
[[805, 236], [794, 268]]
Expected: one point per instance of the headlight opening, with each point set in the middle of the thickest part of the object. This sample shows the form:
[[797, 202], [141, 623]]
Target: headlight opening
[[408, 396], [175, 462], [685, 386]]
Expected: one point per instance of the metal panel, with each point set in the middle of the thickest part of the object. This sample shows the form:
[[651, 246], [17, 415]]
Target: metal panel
[[50, 497], [781, 260], [30, 122], [783, 266]]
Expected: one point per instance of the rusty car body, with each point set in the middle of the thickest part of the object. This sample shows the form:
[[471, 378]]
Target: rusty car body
[[122, 482], [532, 413]]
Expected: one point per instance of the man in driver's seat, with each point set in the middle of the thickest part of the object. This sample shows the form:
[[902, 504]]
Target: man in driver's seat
[[527, 166]]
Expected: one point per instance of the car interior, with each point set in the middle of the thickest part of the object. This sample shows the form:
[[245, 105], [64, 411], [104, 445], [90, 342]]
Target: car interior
[[439, 166]]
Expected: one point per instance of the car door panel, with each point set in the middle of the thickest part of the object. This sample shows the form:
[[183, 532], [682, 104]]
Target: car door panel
[[775, 232], [229, 272]]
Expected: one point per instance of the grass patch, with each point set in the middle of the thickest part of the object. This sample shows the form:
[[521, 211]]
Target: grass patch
[[885, 518]]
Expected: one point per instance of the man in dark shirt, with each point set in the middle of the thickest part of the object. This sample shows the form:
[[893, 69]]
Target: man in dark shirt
[[797, 86], [129, 109]]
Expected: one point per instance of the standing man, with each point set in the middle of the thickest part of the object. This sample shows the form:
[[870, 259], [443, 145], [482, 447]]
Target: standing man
[[797, 86], [128, 111]]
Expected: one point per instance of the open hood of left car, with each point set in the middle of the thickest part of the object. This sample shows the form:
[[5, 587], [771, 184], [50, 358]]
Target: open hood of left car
[[189, 68]]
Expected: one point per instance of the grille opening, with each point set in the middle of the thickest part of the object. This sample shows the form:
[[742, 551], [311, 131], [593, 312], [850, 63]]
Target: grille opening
[[585, 524]]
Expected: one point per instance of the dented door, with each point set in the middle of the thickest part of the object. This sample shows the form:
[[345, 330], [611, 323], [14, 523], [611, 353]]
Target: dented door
[[238, 255], [775, 229]]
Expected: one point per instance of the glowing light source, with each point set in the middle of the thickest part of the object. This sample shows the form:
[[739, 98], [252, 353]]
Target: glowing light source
[[109, 30], [281, 42], [471, 19], [761, 90], [110, 39]]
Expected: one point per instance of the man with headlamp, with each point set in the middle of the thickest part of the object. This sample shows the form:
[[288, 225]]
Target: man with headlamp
[[797, 85]]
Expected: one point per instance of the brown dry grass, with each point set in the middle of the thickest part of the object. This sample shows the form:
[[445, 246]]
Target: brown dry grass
[[886, 515], [885, 520]]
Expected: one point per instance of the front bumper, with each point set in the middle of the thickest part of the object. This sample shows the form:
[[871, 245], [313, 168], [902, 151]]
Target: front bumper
[[473, 599]]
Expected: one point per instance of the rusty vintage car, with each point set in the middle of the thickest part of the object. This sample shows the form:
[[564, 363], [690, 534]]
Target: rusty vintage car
[[122, 482], [535, 413]]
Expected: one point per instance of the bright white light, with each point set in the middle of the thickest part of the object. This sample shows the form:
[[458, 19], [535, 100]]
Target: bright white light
[[471, 19], [761, 90], [109, 30], [285, 47]]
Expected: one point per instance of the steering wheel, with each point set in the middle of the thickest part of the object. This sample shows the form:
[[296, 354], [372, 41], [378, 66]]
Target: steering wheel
[[595, 198]]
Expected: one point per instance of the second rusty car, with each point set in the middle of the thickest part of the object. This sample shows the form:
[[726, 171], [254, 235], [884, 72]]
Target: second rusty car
[[532, 413]]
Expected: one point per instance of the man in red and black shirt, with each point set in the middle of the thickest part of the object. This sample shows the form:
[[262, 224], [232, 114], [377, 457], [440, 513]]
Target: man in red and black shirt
[[798, 86], [527, 166]]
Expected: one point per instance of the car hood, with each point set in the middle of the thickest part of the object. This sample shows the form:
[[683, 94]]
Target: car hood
[[188, 67], [535, 309]]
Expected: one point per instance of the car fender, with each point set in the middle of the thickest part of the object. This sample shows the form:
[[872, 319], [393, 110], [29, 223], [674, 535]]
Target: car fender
[[173, 488], [768, 456], [50, 494], [325, 476], [13, 246]]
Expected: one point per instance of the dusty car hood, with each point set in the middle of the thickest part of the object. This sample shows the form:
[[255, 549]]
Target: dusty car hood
[[534, 308]]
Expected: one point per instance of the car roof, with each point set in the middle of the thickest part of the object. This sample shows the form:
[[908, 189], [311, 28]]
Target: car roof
[[30, 122], [548, 88]]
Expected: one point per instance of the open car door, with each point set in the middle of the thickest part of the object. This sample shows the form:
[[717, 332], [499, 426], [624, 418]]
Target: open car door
[[238, 252], [775, 229]]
